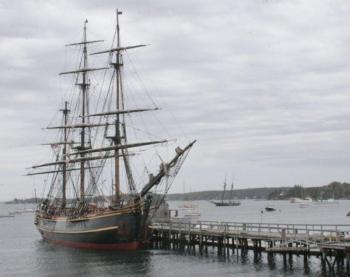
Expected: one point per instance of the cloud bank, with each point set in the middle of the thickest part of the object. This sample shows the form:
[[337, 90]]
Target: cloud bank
[[263, 85]]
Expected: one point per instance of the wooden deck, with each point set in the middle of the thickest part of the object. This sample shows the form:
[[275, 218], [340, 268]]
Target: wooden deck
[[309, 233]]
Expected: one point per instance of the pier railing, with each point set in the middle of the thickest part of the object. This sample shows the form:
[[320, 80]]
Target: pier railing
[[251, 229], [330, 242]]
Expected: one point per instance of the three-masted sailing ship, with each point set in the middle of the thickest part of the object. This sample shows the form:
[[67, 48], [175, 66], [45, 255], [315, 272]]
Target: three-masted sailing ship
[[87, 217]]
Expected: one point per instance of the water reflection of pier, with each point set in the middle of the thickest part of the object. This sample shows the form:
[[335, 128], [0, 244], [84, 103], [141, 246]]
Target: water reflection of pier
[[328, 242]]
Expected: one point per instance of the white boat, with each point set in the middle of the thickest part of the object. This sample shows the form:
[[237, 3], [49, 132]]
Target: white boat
[[189, 211], [296, 200], [6, 215], [326, 201]]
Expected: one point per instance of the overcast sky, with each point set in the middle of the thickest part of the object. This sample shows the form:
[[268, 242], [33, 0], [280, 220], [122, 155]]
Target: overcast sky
[[263, 85]]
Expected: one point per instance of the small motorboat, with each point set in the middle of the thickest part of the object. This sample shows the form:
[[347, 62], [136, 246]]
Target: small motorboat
[[270, 209]]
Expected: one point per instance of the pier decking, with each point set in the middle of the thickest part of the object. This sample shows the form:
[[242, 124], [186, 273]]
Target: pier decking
[[326, 241]]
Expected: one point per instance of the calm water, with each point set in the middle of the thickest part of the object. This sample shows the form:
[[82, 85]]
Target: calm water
[[23, 253]]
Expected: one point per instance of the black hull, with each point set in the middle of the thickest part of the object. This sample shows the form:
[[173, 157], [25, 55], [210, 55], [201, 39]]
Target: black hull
[[226, 204], [113, 230]]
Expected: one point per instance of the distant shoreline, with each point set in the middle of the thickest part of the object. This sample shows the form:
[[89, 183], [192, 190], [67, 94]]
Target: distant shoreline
[[23, 201], [336, 190]]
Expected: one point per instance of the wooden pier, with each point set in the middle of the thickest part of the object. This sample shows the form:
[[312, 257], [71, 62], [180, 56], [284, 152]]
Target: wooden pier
[[326, 241]]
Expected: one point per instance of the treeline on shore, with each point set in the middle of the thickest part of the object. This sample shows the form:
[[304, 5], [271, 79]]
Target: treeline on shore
[[24, 201], [253, 193], [336, 190]]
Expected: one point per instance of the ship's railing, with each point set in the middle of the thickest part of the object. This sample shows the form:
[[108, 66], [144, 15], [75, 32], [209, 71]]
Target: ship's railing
[[284, 231]]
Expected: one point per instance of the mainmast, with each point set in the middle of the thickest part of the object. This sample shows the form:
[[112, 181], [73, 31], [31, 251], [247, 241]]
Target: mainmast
[[231, 195], [120, 129], [120, 138], [65, 112], [117, 138], [84, 85]]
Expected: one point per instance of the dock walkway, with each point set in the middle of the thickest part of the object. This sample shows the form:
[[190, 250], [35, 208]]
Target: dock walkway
[[326, 241]]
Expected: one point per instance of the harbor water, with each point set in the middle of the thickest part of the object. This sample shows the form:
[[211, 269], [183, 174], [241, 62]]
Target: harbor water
[[23, 253]]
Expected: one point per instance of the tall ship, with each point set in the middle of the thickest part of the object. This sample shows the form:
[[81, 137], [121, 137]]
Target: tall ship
[[227, 202], [94, 160]]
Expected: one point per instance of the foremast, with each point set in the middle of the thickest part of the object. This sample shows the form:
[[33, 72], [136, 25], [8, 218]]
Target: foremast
[[231, 194]]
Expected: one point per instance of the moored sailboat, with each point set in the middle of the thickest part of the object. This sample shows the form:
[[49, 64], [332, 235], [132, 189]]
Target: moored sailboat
[[227, 202], [87, 142]]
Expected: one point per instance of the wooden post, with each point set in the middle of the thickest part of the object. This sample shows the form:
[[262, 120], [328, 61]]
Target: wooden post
[[290, 260], [170, 227], [200, 238], [206, 244], [224, 238], [189, 235], [305, 263]]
